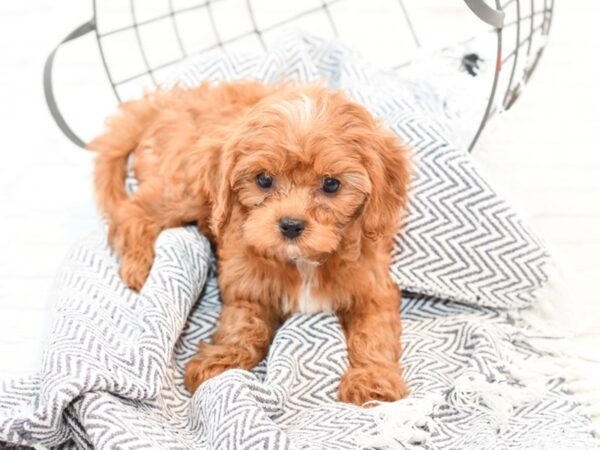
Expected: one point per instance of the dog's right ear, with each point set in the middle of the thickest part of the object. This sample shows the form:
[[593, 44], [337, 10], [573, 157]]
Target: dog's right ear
[[223, 201]]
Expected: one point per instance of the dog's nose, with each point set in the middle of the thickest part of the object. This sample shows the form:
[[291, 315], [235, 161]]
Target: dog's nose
[[291, 228]]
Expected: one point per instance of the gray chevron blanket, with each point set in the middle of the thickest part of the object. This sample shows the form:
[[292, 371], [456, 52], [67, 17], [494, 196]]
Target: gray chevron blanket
[[112, 373]]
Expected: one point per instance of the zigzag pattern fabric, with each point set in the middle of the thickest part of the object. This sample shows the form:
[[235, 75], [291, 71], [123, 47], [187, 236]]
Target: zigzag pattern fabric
[[112, 374]]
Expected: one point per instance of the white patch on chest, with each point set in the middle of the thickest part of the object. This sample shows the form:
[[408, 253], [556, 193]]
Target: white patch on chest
[[306, 302]]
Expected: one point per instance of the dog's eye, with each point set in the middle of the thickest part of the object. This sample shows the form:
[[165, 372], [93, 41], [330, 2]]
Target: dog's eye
[[331, 185], [264, 181]]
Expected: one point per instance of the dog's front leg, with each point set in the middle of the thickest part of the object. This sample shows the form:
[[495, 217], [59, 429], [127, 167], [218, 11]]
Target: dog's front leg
[[372, 329], [241, 341]]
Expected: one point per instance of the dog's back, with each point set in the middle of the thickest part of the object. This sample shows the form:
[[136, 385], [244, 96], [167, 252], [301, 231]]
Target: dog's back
[[162, 130]]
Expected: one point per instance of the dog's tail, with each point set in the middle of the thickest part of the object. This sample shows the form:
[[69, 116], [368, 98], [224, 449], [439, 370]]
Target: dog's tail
[[122, 136]]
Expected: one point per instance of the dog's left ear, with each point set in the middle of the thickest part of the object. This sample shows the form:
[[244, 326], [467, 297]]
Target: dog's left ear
[[389, 170], [223, 202]]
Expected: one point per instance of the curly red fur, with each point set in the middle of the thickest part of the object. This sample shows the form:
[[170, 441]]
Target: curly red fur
[[197, 155]]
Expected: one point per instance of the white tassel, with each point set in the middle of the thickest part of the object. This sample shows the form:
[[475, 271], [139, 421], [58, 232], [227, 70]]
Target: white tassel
[[499, 398], [400, 423], [562, 326], [594, 410]]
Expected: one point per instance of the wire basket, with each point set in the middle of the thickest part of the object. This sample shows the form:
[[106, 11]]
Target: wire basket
[[140, 41]]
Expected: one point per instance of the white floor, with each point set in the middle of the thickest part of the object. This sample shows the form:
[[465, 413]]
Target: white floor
[[45, 193], [546, 152]]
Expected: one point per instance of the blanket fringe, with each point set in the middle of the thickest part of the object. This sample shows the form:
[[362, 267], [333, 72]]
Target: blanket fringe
[[498, 399], [404, 421], [556, 328], [547, 328]]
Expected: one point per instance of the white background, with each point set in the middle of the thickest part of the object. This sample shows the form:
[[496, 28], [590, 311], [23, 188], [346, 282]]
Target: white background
[[545, 152]]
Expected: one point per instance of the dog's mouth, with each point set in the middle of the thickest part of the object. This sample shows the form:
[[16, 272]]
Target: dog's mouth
[[295, 255], [293, 252]]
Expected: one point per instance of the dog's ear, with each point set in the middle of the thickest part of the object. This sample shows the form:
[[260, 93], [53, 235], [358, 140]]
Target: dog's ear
[[387, 164], [223, 202]]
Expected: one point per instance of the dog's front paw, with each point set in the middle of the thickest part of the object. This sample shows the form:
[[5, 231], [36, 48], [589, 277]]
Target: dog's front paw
[[135, 267], [361, 385]]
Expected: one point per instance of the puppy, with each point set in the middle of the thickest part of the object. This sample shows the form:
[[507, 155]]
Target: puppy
[[300, 189]]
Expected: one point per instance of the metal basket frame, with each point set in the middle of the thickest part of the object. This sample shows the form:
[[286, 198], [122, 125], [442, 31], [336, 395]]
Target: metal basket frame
[[526, 32]]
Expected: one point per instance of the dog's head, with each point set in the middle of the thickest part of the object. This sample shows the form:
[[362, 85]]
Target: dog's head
[[306, 171]]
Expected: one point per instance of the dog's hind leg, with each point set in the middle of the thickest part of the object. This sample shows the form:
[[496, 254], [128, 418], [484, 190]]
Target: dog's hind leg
[[137, 224]]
